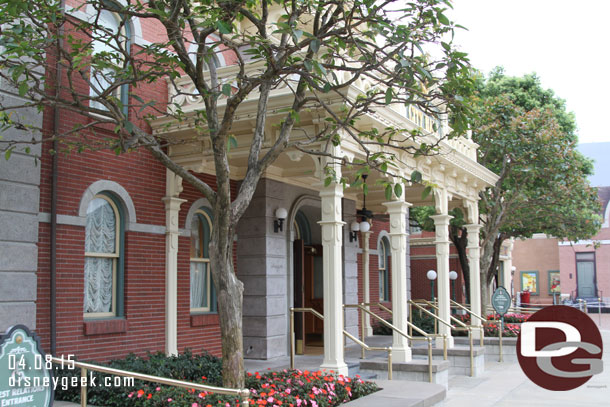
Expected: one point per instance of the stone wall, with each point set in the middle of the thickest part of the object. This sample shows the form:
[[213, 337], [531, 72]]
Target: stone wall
[[19, 198]]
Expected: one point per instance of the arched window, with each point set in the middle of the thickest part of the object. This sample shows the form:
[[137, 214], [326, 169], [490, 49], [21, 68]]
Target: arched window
[[202, 290], [384, 254], [110, 31], [103, 258]]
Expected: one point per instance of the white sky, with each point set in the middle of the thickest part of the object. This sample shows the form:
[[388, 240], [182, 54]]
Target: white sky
[[566, 42]]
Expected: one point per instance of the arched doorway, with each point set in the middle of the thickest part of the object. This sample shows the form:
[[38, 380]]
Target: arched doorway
[[308, 279]]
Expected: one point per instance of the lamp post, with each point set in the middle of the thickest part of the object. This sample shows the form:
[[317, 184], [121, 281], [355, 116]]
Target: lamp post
[[431, 274], [453, 276]]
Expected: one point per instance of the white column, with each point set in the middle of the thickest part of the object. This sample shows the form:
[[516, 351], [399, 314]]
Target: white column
[[475, 276], [401, 352], [441, 224], [172, 208], [332, 241], [366, 281]]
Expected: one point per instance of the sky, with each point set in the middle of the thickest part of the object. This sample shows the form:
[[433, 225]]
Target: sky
[[565, 42]]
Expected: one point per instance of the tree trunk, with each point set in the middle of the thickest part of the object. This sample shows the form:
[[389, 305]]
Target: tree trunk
[[459, 238], [229, 293]]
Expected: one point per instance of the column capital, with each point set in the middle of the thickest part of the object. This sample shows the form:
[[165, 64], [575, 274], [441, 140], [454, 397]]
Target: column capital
[[172, 203], [473, 227], [441, 220], [397, 206]]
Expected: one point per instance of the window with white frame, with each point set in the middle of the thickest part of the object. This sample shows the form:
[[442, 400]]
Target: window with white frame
[[107, 56], [383, 254], [202, 290], [103, 238]]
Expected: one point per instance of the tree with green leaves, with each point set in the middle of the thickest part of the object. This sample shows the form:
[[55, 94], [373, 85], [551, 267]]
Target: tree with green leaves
[[528, 139], [320, 50]]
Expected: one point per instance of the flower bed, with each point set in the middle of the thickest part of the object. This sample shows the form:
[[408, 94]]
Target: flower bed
[[290, 388], [286, 388], [510, 318]]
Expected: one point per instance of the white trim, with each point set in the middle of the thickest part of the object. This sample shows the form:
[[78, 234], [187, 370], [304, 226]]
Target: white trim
[[45, 217], [584, 242], [134, 22], [606, 223], [110, 186], [189, 216]]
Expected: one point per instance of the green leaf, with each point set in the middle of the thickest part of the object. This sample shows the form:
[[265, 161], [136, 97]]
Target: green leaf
[[398, 190], [226, 89], [308, 65], [7, 153], [224, 28], [232, 142], [388, 192], [442, 18], [23, 88], [327, 181], [315, 45], [426, 192], [416, 176], [389, 94]]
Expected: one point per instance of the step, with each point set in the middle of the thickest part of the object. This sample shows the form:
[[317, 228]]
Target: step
[[414, 370], [492, 348], [459, 358], [398, 393]]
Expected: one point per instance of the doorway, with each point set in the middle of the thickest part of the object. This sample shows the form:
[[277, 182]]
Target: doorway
[[308, 286], [585, 273]]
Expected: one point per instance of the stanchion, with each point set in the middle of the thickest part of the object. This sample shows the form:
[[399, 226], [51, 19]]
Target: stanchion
[[599, 310], [501, 331], [83, 387]]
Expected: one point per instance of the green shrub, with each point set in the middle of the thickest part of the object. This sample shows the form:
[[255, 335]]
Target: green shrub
[[185, 366]]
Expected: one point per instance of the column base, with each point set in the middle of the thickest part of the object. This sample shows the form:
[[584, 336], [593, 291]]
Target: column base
[[336, 368], [440, 342], [401, 355], [368, 331]]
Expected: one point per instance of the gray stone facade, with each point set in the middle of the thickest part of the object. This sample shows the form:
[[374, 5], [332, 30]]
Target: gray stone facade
[[19, 204], [264, 264]]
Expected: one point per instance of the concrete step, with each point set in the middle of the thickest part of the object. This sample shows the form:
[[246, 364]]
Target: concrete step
[[398, 393], [414, 370]]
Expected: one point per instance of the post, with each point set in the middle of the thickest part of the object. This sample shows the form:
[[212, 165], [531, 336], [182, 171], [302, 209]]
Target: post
[[83, 387], [291, 338], [332, 260], [501, 331], [172, 208], [475, 276], [366, 282], [441, 222], [363, 315], [599, 311], [398, 211]]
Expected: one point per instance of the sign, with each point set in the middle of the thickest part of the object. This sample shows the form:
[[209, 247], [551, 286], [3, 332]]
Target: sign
[[501, 300], [25, 370], [560, 348]]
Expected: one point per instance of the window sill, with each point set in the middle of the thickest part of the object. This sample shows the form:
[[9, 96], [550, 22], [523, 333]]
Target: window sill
[[204, 319], [105, 326]]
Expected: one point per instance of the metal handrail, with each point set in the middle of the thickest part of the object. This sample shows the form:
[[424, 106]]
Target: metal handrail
[[395, 329], [461, 324], [411, 327], [457, 304], [468, 328], [243, 394], [345, 333]]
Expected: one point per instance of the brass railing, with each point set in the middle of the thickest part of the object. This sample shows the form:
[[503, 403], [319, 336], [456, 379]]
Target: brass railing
[[243, 394], [462, 326], [411, 326], [362, 307], [347, 334]]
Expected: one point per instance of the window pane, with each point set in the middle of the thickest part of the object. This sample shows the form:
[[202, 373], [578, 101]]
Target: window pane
[[199, 285], [195, 238], [100, 230], [585, 256], [98, 284]]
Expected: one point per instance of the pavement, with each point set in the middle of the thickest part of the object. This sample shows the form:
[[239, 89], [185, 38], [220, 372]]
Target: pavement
[[505, 385]]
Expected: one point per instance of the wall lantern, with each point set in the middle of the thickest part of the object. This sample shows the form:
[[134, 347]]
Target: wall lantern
[[278, 224], [354, 228]]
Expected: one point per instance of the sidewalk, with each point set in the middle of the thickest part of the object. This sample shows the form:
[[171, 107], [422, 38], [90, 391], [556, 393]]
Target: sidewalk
[[505, 385]]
